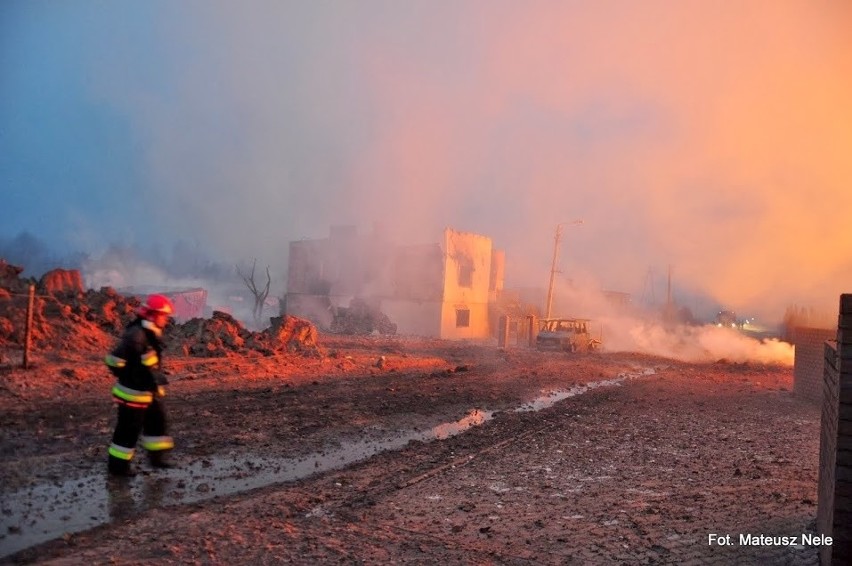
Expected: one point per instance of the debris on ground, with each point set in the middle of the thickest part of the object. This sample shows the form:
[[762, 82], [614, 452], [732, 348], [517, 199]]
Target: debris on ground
[[10, 277], [67, 318], [61, 281], [222, 335], [292, 334], [362, 318]]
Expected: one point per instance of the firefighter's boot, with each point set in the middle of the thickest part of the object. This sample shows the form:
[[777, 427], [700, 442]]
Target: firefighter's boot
[[159, 459], [120, 468]]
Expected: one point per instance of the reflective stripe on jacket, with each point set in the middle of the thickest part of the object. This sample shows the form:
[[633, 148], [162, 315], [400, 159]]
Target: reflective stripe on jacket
[[135, 362], [155, 443], [150, 358], [129, 396], [114, 361], [121, 452]]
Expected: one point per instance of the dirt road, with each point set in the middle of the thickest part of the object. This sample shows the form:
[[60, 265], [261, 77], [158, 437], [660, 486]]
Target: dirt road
[[395, 450]]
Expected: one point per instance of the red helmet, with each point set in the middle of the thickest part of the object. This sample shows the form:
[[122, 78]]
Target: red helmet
[[156, 304]]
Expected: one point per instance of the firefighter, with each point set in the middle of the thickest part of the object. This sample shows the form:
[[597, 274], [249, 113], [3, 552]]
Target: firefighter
[[140, 388]]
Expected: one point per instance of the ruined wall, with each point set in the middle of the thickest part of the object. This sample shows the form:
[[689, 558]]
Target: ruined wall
[[343, 264], [305, 273], [421, 288], [834, 509], [809, 360], [498, 270], [479, 323], [329, 272], [414, 318], [416, 273], [467, 280]]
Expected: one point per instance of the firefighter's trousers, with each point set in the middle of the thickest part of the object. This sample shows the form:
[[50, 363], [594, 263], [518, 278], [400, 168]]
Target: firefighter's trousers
[[148, 420]]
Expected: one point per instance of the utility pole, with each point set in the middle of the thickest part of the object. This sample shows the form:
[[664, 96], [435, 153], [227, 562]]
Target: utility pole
[[553, 263], [669, 290], [553, 268], [670, 311], [649, 297]]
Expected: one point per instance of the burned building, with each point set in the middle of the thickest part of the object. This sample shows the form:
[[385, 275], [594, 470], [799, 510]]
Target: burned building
[[442, 289]]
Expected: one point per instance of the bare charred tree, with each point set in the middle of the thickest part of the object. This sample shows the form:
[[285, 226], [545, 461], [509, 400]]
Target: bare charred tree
[[259, 294]]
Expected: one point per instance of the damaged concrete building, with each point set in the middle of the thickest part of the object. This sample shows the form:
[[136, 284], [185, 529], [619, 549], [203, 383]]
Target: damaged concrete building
[[445, 289]]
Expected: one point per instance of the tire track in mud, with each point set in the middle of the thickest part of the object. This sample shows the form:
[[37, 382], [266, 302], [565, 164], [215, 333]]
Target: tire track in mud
[[503, 426]]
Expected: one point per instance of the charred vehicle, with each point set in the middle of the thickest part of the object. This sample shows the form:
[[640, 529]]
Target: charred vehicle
[[566, 334], [728, 318]]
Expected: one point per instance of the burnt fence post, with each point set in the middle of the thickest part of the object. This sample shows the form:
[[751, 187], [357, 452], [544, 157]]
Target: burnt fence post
[[503, 332], [533, 326], [28, 330]]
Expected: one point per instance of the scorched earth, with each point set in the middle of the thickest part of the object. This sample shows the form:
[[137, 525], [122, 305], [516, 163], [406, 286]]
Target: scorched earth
[[405, 450]]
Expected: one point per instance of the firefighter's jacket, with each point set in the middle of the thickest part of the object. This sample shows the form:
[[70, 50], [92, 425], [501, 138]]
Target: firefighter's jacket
[[136, 364]]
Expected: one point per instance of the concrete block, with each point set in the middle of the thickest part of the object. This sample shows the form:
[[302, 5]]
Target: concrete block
[[844, 412], [830, 377], [843, 474], [846, 303], [843, 503], [830, 363], [844, 336], [843, 489], [844, 435], [830, 352], [844, 458], [842, 517]]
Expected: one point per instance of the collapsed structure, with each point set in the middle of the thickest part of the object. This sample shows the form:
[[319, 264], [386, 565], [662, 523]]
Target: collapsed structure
[[65, 317], [446, 289]]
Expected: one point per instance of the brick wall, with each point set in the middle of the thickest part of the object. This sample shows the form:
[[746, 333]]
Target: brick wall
[[809, 360], [834, 510], [828, 449]]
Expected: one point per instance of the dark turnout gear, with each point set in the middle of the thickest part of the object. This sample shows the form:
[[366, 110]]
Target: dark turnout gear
[[138, 394]]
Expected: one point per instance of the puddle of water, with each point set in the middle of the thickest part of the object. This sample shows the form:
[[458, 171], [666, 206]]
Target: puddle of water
[[48, 511], [554, 397]]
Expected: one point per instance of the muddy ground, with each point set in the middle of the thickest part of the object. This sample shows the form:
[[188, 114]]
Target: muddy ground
[[479, 456]]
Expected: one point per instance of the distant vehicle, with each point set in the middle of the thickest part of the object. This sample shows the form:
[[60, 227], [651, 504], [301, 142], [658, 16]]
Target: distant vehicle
[[728, 318], [566, 334]]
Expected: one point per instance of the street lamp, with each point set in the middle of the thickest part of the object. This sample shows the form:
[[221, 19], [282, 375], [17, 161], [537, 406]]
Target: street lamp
[[553, 264]]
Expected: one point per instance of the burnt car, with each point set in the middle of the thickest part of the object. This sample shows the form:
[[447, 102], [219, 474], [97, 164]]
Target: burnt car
[[566, 334], [728, 318]]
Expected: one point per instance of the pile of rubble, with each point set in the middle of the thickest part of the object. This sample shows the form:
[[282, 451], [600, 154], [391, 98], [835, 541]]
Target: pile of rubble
[[67, 318], [361, 318], [223, 335], [64, 317]]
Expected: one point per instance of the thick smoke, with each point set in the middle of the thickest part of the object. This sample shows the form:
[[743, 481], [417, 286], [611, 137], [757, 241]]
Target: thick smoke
[[711, 140], [636, 328], [129, 271]]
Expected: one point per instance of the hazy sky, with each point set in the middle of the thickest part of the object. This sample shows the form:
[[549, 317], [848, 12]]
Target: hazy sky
[[714, 141]]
